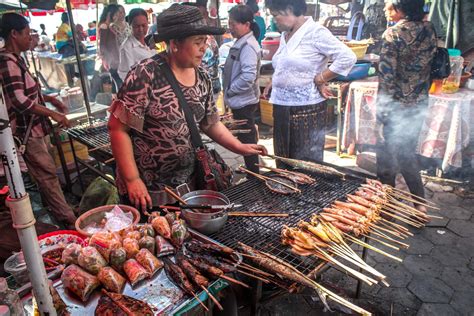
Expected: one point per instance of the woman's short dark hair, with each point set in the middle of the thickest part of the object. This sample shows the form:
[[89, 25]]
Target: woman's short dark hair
[[10, 22], [242, 13], [298, 7], [64, 17], [134, 13], [413, 9]]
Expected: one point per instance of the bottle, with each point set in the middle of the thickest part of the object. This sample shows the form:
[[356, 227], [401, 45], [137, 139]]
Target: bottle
[[451, 84], [10, 298]]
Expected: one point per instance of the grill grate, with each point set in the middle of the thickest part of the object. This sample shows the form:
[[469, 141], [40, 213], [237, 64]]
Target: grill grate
[[263, 233], [95, 136]]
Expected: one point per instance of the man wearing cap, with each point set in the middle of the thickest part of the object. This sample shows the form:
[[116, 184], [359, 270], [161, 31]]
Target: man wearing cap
[[149, 134]]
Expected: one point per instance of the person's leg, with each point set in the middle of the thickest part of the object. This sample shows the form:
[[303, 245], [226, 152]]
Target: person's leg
[[248, 113], [387, 165], [42, 168]]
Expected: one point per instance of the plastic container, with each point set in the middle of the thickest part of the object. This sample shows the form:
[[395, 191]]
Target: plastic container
[[359, 71], [10, 298], [270, 45], [452, 83], [16, 266]]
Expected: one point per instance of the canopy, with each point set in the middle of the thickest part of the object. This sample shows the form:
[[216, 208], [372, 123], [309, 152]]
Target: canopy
[[11, 5]]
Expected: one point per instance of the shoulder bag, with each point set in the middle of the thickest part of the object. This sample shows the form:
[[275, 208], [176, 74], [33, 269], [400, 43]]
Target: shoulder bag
[[212, 173]]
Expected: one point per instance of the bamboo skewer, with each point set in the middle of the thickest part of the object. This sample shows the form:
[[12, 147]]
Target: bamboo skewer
[[255, 214], [212, 298], [255, 270], [254, 276], [368, 246], [413, 201], [200, 302], [265, 178], [404, 245], [225, 277], [402, 232], [98, 147], [386, 230], [381, 242], [284, 171]]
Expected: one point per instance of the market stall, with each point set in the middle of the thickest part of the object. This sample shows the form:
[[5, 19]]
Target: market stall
[[445, 133]]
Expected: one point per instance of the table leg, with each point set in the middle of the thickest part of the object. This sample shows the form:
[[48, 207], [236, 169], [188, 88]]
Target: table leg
[[339, 121], [76, 163], [364, 257], [57, 142]]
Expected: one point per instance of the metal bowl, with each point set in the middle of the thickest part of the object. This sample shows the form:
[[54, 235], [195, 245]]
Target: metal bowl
[[204, 197], [206, 226]]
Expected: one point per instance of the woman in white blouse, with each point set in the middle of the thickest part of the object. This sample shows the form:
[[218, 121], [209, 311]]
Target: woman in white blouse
[[299, 87], [134, 49]]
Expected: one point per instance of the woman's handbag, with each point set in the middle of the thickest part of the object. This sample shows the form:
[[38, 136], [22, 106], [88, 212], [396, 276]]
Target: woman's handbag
[[441, 65], [212, 172]]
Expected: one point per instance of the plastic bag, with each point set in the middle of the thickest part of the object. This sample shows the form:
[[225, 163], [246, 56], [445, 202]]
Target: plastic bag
[[131, 247], [135, 271], [117, 258], [91, 260], [117, 219], [79, 281], [71, 253], [161, 226], [148, 261], [148, 243], [111, 280], [163, 247], [104, 242], [147, 230]]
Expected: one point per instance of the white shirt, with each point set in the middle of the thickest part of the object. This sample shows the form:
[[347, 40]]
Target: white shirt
[[131, 53], [297, 62]]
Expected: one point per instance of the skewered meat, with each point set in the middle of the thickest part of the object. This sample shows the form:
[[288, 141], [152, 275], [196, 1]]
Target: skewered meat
[[280, 188], [177, 275], [317, 230], [199, 247], [192, 273], [207, 269], [226, 268]]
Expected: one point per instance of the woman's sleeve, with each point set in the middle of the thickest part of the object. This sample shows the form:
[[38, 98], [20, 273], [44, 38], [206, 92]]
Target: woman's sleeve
[[248, 72], [133, 98], [343, 58], [388, 63]]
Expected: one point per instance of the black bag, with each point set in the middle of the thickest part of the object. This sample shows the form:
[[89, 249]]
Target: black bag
[[212, 173], [441, 65]]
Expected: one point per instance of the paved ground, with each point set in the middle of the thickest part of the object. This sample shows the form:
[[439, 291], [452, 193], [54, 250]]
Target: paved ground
[[436, 276]]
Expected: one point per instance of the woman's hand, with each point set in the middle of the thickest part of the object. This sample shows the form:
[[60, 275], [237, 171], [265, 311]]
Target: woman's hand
[[252, 149], [266, 91], [325, 91], [61, 119], [138, 194]]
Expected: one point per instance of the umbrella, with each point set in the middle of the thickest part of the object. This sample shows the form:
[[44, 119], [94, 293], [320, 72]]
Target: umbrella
[[12, 5]]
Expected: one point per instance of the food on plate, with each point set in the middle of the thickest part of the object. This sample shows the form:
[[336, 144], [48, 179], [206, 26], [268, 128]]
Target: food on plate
[[131, 247], [79, 282], [148, 261], [135, 271], [71, 254], [91, 260], [111, 279]]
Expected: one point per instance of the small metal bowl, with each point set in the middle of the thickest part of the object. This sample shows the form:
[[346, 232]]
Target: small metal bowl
[[206, 226], [204, 197]]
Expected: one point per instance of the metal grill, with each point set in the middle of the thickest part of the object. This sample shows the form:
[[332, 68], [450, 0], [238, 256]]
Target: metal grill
[[95, 136], [263, 233]]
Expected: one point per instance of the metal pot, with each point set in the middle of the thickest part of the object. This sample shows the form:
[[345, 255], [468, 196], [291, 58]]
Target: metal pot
[[204, 197], [206, 223]]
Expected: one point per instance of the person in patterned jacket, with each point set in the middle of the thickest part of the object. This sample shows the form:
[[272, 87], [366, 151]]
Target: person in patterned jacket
[[408, 48], [149, 135]]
